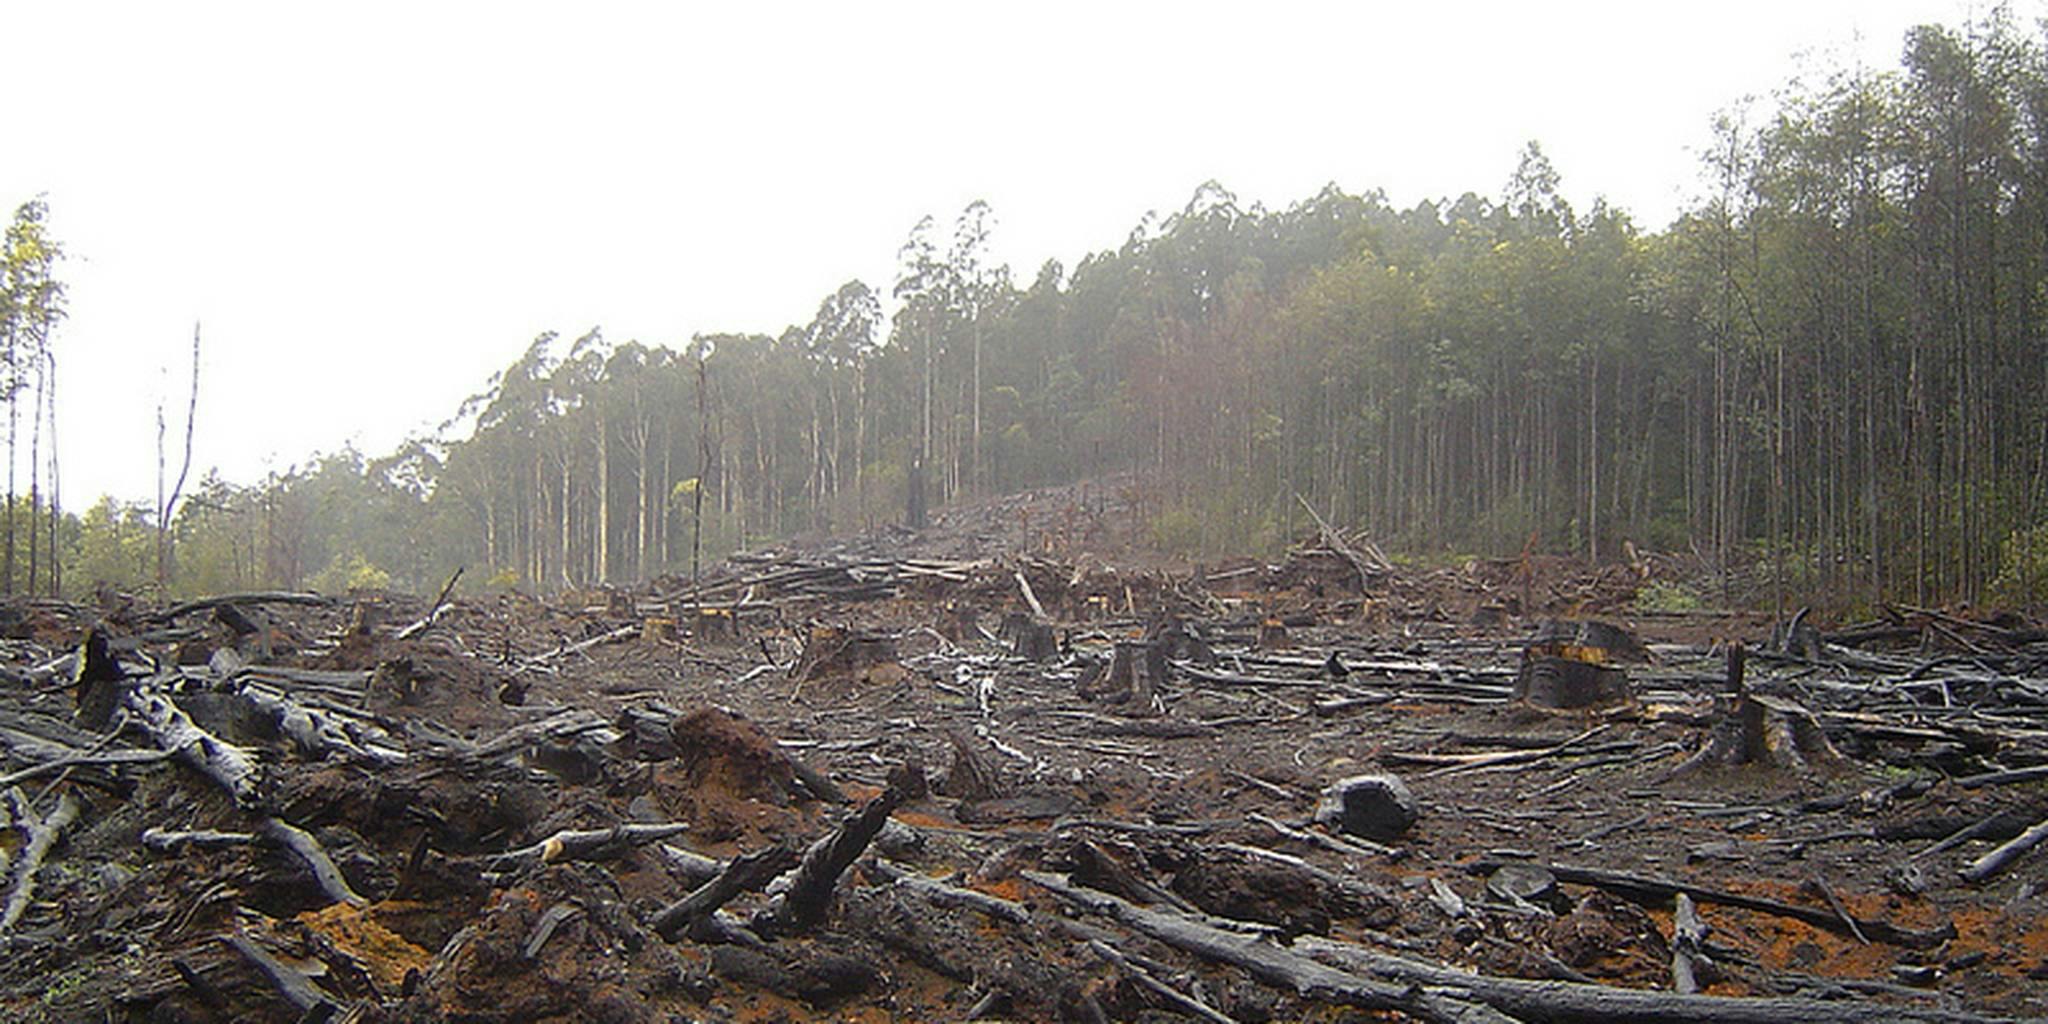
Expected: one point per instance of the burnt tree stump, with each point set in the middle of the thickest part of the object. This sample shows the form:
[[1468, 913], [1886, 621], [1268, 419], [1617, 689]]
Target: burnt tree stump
[[1029, 638], [1572, 666], [834, 652], [716, 626], [1131, 680], [1754, 729]]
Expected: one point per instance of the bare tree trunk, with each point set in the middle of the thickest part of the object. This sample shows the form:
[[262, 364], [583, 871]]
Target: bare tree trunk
[[703, 480], [604, 502], [12, 391], [56, 516], [35, 476], [166, 505]]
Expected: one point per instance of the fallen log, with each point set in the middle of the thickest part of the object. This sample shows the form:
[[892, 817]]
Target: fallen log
[[1281, 968], [290, 982], [1432, 992], [231, 767], [2001, 858], [1655, 891], [1528, 1000], [590, 844], [253, 597]]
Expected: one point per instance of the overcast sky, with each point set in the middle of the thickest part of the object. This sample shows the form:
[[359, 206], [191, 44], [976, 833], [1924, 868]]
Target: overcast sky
[[372, 207]]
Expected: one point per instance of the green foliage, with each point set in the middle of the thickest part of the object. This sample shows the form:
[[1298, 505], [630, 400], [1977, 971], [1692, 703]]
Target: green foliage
[[348, 573], [1177, 531], [116, 548], [2022, 580], [1665, 596]]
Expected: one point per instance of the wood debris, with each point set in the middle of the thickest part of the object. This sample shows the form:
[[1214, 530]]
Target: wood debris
[[709, 802]]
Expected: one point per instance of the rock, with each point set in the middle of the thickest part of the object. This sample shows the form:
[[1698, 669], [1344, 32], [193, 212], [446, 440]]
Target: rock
[[1527, 884], [899, 841], [1376, 807]]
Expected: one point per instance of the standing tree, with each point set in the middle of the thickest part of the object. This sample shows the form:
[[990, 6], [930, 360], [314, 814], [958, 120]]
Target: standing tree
[[31, 303], [920, 286]]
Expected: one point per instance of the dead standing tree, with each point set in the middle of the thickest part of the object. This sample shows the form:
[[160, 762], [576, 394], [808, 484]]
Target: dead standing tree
[[166, 504]]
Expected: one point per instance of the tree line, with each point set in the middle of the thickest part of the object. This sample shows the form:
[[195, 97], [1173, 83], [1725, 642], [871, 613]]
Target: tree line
[[1829, 368]]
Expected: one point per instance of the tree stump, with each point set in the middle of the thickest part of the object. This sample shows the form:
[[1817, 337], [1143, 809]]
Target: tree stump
[[1131, 680], [715, 626], [658, 630], [1176, 639], [1572, 666], [1273, 635], [1753, 729], [1028, 638], [840, 652], [959, 622]]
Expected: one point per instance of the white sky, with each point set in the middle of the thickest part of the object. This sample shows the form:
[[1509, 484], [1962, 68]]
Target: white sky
[[373, 206]]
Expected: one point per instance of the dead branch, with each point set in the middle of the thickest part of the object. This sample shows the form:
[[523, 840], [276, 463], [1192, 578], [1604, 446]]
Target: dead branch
[[810, 895], [309, 850], [591, 844], [744, 874], [433, 614], [231, 767], [1185, 1003], [290, 982], [42, 834]]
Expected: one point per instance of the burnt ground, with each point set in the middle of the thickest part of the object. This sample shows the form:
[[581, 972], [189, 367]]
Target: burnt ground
[[761, 710]]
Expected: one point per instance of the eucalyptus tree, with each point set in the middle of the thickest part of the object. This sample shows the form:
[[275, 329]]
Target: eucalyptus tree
[[841, 337], [919, 320], [32, 302]]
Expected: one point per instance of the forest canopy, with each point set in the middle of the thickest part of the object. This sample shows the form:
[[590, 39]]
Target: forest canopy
[[1831, 364]]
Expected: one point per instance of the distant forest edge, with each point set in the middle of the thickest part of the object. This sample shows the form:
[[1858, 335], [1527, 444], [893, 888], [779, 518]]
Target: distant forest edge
[[1831, 366]]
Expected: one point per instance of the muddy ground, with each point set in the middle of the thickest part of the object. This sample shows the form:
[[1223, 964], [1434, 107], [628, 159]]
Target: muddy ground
[[434, 754]]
